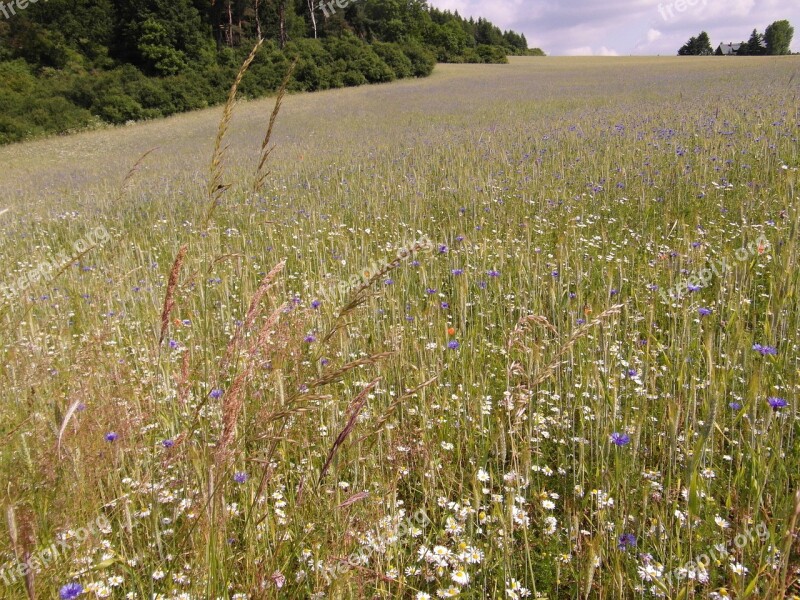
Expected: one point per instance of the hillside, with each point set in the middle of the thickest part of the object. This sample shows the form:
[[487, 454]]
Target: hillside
[[71, 64]]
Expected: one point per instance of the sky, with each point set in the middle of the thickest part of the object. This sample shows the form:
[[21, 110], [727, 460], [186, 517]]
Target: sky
[[625, 27]]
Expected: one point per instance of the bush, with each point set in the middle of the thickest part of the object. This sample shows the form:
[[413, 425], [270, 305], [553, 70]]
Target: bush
[[422, 61], [393, 56]]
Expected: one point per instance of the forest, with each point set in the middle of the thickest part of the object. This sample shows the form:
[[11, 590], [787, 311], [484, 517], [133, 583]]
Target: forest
[[67, 65]]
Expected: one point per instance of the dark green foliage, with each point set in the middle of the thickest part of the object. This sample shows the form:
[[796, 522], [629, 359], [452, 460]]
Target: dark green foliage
[[699, 46], [778, 38], [68, 64]]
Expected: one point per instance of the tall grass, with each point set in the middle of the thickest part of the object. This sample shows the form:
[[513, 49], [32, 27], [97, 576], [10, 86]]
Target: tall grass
[[518, 411]]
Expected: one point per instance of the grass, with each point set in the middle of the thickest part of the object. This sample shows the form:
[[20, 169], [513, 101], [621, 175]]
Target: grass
[[447, 426]]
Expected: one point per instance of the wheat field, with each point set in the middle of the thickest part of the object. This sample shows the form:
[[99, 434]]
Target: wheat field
[[511, 331]]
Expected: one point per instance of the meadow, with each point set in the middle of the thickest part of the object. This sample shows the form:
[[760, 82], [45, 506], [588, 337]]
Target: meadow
[[511, 331]]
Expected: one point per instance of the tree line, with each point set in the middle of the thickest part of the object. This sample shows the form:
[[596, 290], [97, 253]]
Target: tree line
[[68, 64], [776, 40]]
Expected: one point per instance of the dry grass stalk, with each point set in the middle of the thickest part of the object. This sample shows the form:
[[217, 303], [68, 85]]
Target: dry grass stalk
[[358, 296], [70, 411], [169, 299], [355, 409], [134, 169], [393, 407], [550, 369], [252, 312], [216, 188], [261, 174]]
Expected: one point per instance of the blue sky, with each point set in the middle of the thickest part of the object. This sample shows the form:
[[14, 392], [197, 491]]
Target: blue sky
[[623, 27]]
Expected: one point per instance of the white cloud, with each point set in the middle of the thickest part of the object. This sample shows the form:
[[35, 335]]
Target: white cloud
[[611, 27]]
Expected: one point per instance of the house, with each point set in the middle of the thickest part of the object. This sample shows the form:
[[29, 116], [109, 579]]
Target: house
[[729, 49]]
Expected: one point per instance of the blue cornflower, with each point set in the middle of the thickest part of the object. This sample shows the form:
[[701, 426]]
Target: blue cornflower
[[457, 272], [453, 345], [777, 403], [70, 591], [765, 350], [443, 249], [324, 362], [554, 274], [111, 436], [310, 339], [216, 394], [430, 291], [168, 443], [493, 273], [581, 321], [620, 439], [445, 305], [614, 291], [316, 304], [627, 540], [693, 288], [240, 477], [735, 405], [704, 312], [388, 282]]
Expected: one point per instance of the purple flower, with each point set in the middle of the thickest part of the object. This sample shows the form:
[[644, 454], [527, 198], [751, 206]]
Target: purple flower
[[453, 345], [414, 263], [430, 291], [111, 436], [442, 249], [632, 373], [445, 305], [735, 405], [777, 403], [173, 344], [240, 477], [493, 273], [614, 291], [620, 439], [704, 312], [627, 540], [324, 362], [572, 295], [216, 394], [316, 304], [554, 274], [459, 238], [168, 443], [581, 321], [70, 591], [310, 339], [457, 272], [764, 350], [388, 282]]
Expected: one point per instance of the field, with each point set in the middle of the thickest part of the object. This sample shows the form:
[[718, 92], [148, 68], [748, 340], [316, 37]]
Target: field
[[512, 331]]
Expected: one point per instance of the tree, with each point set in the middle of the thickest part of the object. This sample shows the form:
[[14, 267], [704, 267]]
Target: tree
[[779, 38], [697, 46], [754, 46]]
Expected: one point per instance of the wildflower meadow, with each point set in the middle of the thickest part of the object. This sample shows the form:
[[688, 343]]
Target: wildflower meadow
[[580, 381]]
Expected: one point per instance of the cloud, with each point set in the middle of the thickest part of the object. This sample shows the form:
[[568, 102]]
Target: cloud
[[587, 51], [608, 28]]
